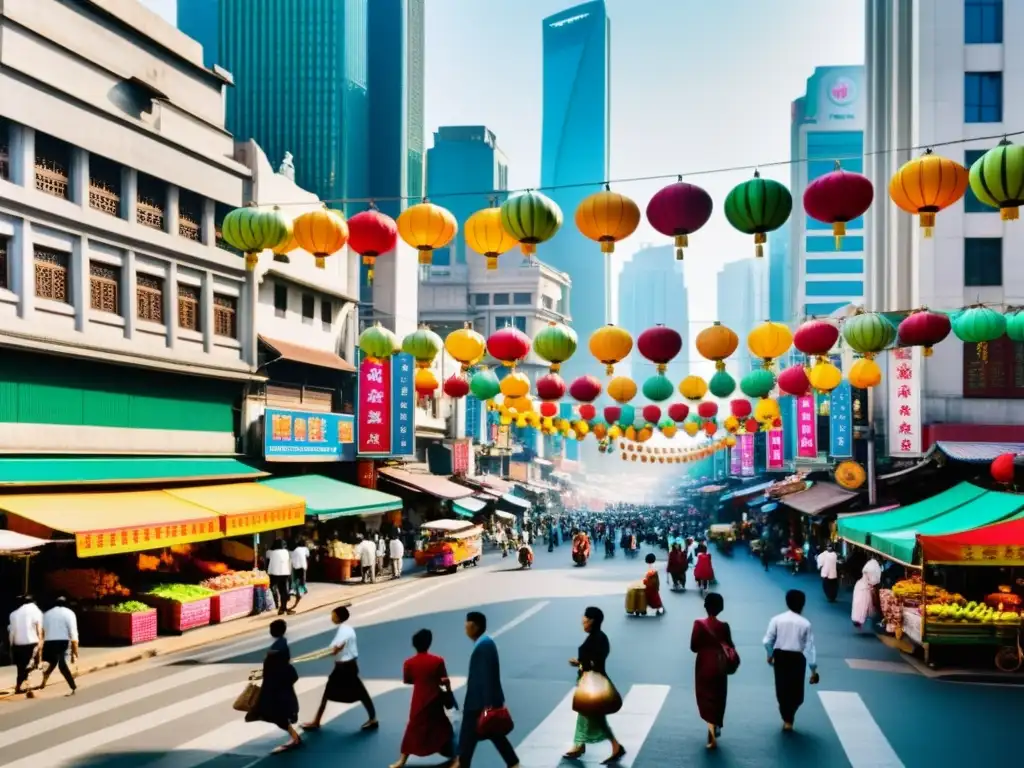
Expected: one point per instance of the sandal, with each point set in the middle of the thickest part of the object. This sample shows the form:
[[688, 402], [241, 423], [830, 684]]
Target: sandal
[[286, 747], [575, 753], [370, 725], [615, 757]]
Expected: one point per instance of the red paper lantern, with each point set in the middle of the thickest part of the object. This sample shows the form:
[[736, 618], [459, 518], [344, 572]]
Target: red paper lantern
[[660, 345], [793, 381], [707, 410], [741, 409], [456, 385], [751, 425], [588, 412], [585, 389], [1002, 468], [679, 210], [550, 386], [612, 413], [678, 412], [370, 234], [816, 337], [924, 329], [837, 198], [710, 427], [509, 345], [652, 414], [548, 410]]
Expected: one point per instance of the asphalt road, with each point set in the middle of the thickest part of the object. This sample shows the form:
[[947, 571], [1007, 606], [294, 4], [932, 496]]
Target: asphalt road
[[870, 711]]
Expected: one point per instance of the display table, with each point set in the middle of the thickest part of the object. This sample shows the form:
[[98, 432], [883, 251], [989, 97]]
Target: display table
[[339, 571]]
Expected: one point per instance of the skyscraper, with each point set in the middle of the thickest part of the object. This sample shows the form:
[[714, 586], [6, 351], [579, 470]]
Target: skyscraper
[[780, 279], [742, 304], [652, 291], [574, 151]]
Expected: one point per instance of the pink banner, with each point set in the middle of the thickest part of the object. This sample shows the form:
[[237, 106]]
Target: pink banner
[[734, 459], [806, 428], [746, 446], [373, 416], [776, 453]]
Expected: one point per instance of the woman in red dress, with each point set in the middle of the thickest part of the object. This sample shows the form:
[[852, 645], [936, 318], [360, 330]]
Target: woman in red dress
[[652, 586], [703, 571], [711, 678], [429, 731]]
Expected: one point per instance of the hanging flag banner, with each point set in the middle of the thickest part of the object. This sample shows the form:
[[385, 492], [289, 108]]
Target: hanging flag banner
[[905, 402], [746, 446], [807, 428], [403, 405], [776, 453], [841, 422], [373, 413], [734, 459]]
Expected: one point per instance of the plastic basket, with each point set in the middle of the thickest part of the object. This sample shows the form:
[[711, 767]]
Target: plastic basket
[[132, 628], [175, 617], [231, 604]]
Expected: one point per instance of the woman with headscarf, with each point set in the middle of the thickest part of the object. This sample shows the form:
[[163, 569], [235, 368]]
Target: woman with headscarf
[[652, 586], [708, 640], [592, 656], [429, 731], [344, 684], [703, 571], [277, 702]]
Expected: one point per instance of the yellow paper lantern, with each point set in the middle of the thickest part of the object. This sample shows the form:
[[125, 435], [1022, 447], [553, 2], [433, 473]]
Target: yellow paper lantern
[[609, 345], [582, 428], [515, 384], [690, 428], [485, 235], [607, 217], [465, 345], [427, 227], [425, 381], [864, 374], [928, 184], [505, 419], [693, 387], [769, 341], [614, 432], [731, 424], [766, 410], [621, 389], [630, 433], [824, 376], [321, 233]]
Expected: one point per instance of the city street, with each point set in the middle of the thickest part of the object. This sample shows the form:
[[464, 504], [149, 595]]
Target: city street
[[871, 709]]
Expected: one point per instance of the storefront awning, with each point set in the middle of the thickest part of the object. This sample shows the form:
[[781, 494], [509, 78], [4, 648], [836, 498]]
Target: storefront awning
[[1001, 544], [19, 542], [327, 499], [493, 484], [468, 506], [504, 515], [977, 453], [120, 470], [298, 353], [860, 529], [739, 493], [514, 503], [113, 523], [247, 507], [435, 485], [818, 498]]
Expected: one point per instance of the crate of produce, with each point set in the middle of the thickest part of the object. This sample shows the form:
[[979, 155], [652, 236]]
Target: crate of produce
[[132, 628], [180, 607], [231, 604]]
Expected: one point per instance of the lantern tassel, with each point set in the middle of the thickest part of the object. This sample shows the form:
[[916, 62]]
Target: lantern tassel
[[682, 241], [1009, 213], [983, 351], [426, 257], [492, 262], [607, 246], [609, 369], [719, 365], [928, 222], [528, 249], [251, 260], [679, 254], [369, 277], [321, 262], [759, 240], [927, 352], [838, 230]]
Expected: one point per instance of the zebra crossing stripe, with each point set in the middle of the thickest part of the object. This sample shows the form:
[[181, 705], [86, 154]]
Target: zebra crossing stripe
[[863, 741], [546, 744]]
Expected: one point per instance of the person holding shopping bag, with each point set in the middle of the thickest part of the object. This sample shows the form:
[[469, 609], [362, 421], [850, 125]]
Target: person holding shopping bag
[[595, 697]]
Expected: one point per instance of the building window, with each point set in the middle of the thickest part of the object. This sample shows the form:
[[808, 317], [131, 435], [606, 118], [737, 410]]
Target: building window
[[994, 370], [983, 97], [308, 307], [149, 298], [52, 160], [501, 299], [280, 299], [971, 202], [983, 21], [149, 202], [506, 321], [983, 261], [51, 274], [547, 303], [104, 186], [5, 149], [522, 299], [4, 278], [225, 312], [188, 308], [481, 299], [104, 280], [327, 314]]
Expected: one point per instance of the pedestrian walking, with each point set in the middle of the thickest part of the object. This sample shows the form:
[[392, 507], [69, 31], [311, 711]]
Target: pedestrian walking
[[592, 656], [483, 692], [382, 551], [344, 684], [790, 646], [367, 552], [279, 569], [60, 642], [25, 633], [277, 703], [396, 550], [652, 586], [703, 571], [864, 593], [300, 565], [677, 566], [828, 568], [429, 731], [711, 640]]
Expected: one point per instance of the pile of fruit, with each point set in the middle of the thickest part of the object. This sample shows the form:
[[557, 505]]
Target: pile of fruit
[[972, 613], [128, 606], [181, 593], [909, 590], [235, 579], [1004, 600], [211, 567], [86, 584], [341, 551]]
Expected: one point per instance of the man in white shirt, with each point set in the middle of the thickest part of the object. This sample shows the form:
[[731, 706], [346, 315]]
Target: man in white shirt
[[828, 568], [790, 646], [25, 632], [299, 557], [396, 550], [382, 551], [60, 639], [279, 569], [367, 552]]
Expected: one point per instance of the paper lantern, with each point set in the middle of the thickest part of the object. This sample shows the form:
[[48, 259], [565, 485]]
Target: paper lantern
[[693, 387], [555, 343], [710, 427], [997, 179], [679, 210], [824, 376], [370, 234], [610, 345], [766, 411], [769, 341], [926, 185], [427, 227], [531, 218], [751, 426], [691, 428], [321, 233], [793, 381], [425, 382], [757, 207], [607, 217], [612, 414], [838, 198], [1003, 468], [548, 409], [660, 345], [377, 342], [721, 385], [658, 388], [485, 385], [758, 383], [281, 250], [815, 338], [585, 389], [868, 333], [730, 442], [456, 385], [424, 345], [707, 410], [588, 411], [515, 384], [508, 345], [678, 412], [252, 230], [731, 424], [485, 235], [979, 325], [652, 414], [717, 342], [621, 389], [741, 409], [466, 346], [865, 373], [924, 328], [550, 386]]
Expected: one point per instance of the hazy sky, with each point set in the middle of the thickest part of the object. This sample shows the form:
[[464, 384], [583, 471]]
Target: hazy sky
[[696, 85]]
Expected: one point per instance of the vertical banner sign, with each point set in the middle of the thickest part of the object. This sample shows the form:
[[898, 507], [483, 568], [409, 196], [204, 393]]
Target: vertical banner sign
[[776, 450], [905, 402], [403, 405], [373, 417], [807, 427], [746, 446], [734, 459], [841, 422]]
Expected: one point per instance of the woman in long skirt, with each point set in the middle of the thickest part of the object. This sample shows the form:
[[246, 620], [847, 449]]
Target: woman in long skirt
[[429, 731], [864, 593], [592, 657], [277, 702], [344, 684], [703, 571], [711, 680], [652, 586]]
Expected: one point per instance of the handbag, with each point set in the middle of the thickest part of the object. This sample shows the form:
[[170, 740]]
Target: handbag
[[595, 696], [728, 659], [248, 699], [494, 723]]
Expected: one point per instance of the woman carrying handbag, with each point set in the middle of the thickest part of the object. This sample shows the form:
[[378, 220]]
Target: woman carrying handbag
[[711, 640], [275, 701], [595, 697]]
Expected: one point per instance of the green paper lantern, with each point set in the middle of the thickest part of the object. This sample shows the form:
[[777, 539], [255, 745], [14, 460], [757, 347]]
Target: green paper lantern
[[868, 333], [666, 423], [555, 343], [530, 218], [758, 383], [658, 388], [485, 385], [757, 207], [722, 385], [378, 343], [997, 179], [1015, 325], [253, 230], [979, 325], [423, 344]]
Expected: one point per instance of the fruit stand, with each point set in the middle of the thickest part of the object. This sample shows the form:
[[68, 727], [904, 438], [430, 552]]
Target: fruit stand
[[130, 622], [232, 596], [341, 562], [180, 607]]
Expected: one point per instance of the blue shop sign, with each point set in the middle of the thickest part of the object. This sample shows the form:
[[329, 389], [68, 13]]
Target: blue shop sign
[[403, 405], [306, 436], [841, 422]]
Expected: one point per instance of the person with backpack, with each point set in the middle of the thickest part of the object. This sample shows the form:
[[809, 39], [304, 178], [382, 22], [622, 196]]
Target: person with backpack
[[711, 640]]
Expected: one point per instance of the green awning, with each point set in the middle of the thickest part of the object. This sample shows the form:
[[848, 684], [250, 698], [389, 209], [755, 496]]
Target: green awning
[[991, 507], [327, 499], [468, 506], [120, 470], [860, 529]]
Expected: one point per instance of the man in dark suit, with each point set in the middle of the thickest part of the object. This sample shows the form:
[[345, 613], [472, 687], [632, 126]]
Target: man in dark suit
[[483, 691]]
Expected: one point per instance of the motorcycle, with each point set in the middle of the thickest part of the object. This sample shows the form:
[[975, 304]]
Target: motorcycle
[[525, 557]]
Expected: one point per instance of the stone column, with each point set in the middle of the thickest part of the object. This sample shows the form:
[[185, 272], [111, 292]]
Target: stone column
[[129, 194], [171, 304], [80, 283], [172, 210], [206, 311], [23, 156], [21, 262], [78, 177], [208, 223], [128, 288]]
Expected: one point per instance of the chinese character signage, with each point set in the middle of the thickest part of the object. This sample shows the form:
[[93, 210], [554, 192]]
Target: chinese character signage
[[806, 428], [304, 436], [403, 404], [905, 402], [776, 458], [373, 414], [841, 422], [267, 520], [734, 459], [140, 538], [746, 445]]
